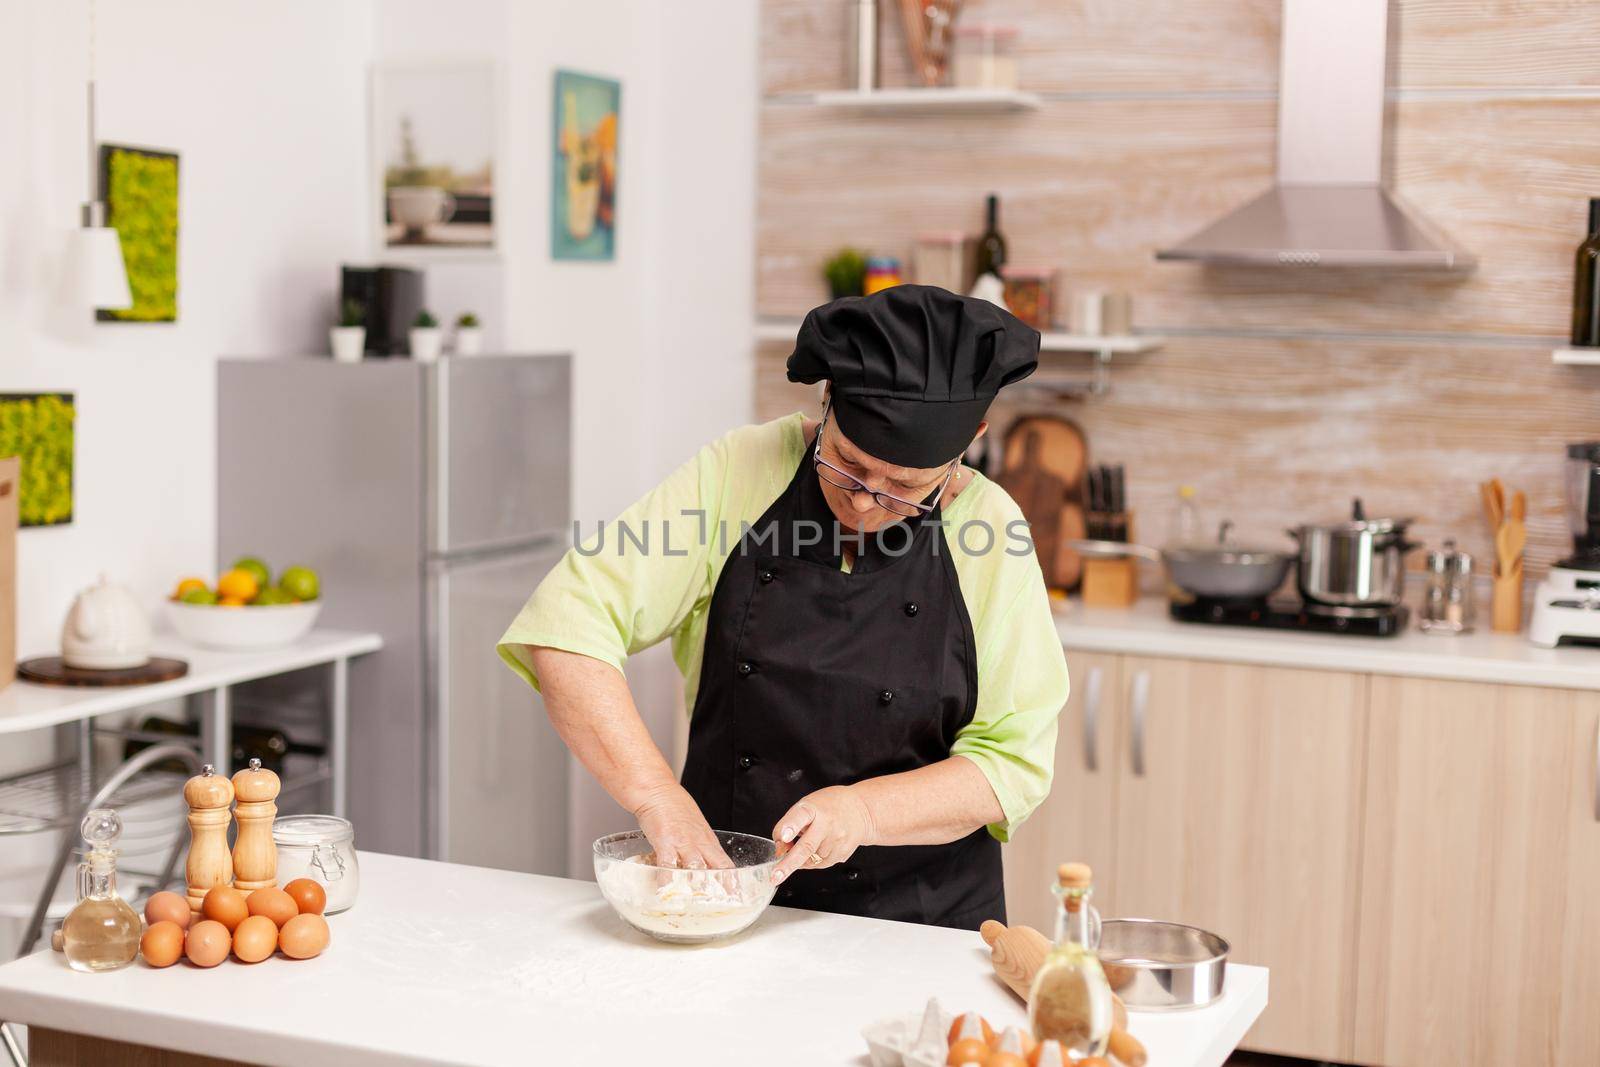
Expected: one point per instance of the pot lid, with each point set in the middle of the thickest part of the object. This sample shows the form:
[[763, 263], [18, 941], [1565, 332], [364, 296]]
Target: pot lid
[[1359, 523]]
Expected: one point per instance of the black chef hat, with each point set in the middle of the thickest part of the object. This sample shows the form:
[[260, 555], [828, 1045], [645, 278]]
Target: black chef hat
[[913, 367]]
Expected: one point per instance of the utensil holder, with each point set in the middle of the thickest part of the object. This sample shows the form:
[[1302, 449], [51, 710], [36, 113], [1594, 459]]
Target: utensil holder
[[1110, 583], [1507, 609]]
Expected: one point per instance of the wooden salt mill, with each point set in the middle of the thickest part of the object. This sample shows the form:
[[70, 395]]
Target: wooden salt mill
[[208, 795], [255, 856]]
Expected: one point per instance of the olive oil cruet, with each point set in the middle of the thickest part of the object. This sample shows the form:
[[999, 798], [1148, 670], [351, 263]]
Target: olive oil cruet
[[101, 932], [1070, 1001]]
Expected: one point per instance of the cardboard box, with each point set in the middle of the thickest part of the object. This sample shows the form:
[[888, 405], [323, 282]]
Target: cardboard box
[[10, 490]]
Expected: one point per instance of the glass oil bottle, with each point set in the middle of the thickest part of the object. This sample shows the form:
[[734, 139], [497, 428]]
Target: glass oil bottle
[[101, 932], [1070, 1001]]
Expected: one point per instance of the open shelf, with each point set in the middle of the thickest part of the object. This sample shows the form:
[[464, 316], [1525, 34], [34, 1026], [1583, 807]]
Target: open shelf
[[1577, 357], [939, 100]]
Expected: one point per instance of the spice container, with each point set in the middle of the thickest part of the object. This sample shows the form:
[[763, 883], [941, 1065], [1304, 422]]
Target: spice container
[[986, 57], [940, 259], [883, 272], [322, 848], [1028, 296], [1447, 606]]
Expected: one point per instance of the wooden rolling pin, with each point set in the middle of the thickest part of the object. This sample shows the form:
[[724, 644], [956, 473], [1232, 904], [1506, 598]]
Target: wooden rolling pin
[[1017, 952]]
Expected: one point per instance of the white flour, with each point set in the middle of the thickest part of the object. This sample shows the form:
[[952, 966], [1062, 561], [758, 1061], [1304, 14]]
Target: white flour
[[685, 904]]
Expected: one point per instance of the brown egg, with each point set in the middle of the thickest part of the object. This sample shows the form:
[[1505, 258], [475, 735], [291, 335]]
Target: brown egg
[[256, 938], [309, 896], [167, 907], [275, 904], [971, 1024], [968, 1050], [208, 943], [162, 944], [1007, 1059], [303, 936], [226, 905]]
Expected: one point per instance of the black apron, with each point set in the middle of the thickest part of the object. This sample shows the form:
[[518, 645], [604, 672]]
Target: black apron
[[814, 677]]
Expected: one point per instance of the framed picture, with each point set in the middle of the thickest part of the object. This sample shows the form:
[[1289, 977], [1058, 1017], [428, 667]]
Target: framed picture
[[583, 181], [140, 190], [38, 428], [434, 139]]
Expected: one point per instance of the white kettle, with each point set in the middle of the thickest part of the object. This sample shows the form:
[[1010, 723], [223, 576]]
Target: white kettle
[[105, 630]]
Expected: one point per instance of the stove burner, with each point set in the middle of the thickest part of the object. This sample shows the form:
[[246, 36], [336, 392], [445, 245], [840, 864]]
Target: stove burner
[[1292, 615]]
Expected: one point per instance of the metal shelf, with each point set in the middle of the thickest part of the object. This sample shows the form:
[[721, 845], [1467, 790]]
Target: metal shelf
[[52, 797]]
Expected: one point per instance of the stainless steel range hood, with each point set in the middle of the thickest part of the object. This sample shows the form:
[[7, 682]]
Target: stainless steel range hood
[[1331, 206]]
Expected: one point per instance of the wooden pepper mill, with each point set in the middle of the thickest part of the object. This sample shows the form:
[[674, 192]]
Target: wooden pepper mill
[[255, 856], [208, 795]]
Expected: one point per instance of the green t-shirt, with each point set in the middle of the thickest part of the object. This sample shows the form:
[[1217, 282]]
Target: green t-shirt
[[616, 595]]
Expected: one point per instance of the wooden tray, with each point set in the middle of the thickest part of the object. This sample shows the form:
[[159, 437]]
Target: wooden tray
[[50, 670]]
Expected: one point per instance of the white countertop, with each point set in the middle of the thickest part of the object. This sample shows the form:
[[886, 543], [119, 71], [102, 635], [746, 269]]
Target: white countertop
[[1482, 656], [440, 963], [30, 706]]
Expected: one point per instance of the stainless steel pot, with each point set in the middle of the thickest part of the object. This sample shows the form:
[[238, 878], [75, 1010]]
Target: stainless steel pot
[[1358, 563], [1222, 570], [1162, 966]]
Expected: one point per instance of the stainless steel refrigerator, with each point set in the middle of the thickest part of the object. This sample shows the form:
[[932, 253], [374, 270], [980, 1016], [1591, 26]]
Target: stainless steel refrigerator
[[431, 498]]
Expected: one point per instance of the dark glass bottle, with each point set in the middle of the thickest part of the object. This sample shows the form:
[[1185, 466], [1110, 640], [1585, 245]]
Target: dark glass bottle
[[1586, 284], [992, 246]]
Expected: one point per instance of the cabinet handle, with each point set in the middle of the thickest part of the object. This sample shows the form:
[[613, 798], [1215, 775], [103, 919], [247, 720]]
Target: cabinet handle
[[1091, 719], [1139, 702]]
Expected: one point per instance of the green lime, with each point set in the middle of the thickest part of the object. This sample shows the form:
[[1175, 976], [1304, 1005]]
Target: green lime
[[199, 596], [299, 582], [273, 594], [255, 568]]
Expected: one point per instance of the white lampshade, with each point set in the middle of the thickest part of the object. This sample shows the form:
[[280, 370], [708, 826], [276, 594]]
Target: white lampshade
[[102, 277]]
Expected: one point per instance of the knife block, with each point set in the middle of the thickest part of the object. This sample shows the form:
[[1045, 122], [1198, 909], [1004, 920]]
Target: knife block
[[1110, 583], [10, 491]]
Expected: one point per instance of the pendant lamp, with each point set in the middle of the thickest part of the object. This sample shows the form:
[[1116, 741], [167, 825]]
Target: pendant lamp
[[96, 249]]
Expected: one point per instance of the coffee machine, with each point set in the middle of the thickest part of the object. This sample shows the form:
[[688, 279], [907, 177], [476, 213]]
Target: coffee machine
[[1566, 606], [391, 296]]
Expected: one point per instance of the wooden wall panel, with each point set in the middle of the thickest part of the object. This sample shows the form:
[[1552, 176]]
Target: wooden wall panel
[[1096, 187], [1082, 46], [1275, 432], [1498, 43]]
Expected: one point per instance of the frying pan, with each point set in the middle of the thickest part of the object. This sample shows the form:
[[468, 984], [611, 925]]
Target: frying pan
[[1221, 571]]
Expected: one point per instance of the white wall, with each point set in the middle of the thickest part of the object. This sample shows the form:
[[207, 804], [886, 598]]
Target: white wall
[[264, 103]]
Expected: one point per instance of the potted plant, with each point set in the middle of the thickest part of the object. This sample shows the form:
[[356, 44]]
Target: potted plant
[[426, 337], [349, 338], [846, 273], [469, 335]]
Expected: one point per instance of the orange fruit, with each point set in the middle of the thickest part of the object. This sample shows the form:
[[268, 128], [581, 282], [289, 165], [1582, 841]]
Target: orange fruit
[[187, 585], [229, 602], [238, 585]]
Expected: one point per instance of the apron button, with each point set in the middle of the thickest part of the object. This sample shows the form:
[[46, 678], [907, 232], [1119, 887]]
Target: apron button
[[911, 610], [886, 696], [746, 762], [852, 875], [766, 577], [747, 668]]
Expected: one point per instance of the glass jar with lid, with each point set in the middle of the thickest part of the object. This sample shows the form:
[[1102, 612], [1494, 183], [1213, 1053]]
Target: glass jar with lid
[[985, 57], [1447, 605], [323, 849]]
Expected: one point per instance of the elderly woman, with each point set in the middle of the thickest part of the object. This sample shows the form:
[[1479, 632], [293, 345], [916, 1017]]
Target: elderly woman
[[860, 620]]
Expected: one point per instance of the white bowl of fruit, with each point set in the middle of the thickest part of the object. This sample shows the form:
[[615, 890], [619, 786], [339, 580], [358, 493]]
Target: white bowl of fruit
[[247, 609]]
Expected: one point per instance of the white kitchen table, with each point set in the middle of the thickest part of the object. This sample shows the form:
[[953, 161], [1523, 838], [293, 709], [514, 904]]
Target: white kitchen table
[[439, 963]]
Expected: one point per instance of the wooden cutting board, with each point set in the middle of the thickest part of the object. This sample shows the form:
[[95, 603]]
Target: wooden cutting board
[[1042, 465]]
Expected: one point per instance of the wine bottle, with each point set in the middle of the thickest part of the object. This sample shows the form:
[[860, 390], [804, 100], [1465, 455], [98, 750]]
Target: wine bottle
[[1586, 284], [992, 246], [264, 743]]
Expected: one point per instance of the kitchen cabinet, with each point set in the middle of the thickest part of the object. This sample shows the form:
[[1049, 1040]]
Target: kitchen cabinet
[[1480, 895], [1239, 810], [1076, 820]]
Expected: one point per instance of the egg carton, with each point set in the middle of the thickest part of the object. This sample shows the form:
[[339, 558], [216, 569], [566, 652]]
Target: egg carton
[[923, 1040]]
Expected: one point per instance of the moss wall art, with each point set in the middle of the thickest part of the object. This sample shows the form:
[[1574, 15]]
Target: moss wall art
[[140, 187], [38, 427]]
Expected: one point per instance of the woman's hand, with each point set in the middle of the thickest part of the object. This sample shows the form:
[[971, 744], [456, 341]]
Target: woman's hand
[[823, 828], [678, 832]]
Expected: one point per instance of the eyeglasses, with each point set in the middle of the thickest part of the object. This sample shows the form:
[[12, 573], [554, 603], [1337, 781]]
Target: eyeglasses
[[906, 509]]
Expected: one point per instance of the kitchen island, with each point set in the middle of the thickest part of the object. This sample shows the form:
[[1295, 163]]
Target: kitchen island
[[439, 963]]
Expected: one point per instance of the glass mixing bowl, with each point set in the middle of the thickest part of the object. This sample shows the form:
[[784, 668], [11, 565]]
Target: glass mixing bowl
[[686, 907]]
